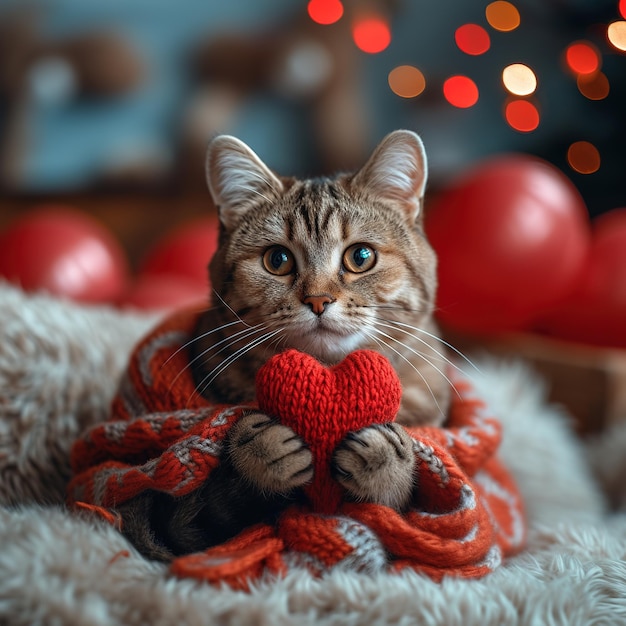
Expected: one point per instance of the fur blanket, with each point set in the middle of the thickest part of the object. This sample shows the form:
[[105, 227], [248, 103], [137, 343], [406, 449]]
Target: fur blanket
[[59, 367]]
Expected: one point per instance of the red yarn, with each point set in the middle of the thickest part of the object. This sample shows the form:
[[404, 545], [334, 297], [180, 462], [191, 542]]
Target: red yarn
[[164, 436], [323, 405]]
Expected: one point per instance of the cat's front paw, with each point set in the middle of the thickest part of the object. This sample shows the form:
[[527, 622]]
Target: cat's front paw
[[376, 464], [269, 455]]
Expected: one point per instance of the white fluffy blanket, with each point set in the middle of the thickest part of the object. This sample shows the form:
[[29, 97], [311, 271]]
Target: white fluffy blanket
[[59, 365]]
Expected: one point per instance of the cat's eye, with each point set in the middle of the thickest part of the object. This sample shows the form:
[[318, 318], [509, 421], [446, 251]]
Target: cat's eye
[[359, 258], [279, 261]]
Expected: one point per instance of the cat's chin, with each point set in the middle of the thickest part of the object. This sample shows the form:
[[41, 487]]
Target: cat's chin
[[328, 346]]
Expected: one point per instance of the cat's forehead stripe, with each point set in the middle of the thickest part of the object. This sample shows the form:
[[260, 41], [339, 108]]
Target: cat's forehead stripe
[[315, 207]]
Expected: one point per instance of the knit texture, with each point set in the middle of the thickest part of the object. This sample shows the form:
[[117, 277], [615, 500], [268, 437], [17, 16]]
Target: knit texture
[[466, 515], [323, 405]]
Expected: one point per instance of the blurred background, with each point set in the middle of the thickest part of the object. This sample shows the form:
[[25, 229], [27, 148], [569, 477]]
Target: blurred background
[[126, 93]]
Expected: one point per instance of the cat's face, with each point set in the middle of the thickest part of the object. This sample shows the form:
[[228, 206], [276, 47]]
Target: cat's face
[[320, 265]]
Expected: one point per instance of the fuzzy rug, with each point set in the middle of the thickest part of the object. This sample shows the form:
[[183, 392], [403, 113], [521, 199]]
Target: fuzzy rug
[[59, 366]]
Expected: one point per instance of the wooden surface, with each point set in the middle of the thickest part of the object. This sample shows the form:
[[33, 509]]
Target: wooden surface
[[589, 382]]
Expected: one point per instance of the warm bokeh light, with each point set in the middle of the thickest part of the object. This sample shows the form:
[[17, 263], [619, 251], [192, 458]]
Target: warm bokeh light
[[325, 11], [582, 57], [583, 157], [616, 34], [460, 91], [593, 86], [522, 115], [472, 39], [622, 8], [371, 34], [406, 81], [519, 79], [502, 16]]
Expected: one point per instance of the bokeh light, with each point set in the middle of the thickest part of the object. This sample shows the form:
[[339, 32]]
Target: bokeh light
[[371, 34], [582, 57], [522, 115], [583, 157], [460, 91], [622, 8], [325, 11], [472, 39], [616, 34], [406, 81], [519, 79], [502, 16], [593, 86]]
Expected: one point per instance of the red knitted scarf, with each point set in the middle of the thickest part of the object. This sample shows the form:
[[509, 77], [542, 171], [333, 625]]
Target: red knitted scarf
[[469, 513]]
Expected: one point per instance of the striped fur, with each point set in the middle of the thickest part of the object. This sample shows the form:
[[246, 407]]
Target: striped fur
[[256, 314], [321, 306]]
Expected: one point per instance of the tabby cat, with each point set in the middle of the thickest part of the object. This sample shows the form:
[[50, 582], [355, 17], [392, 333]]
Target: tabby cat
[[326, 266]]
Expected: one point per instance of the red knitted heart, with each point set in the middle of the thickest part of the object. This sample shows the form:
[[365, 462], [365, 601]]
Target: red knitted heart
[[323, 405]]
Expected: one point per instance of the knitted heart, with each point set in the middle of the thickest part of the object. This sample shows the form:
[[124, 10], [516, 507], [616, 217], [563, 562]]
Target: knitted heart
[[323, 404]]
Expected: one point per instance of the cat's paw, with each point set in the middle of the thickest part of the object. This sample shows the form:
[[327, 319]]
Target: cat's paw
[[376, 464], [269, 455]]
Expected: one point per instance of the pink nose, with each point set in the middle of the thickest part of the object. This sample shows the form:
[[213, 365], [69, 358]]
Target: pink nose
[[318, 303]]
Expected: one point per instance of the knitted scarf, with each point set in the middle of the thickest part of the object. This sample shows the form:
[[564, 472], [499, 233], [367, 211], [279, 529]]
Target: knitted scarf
[[467, 517]]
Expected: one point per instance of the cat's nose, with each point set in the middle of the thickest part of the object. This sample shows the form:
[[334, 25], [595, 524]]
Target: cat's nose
[[318, 303]]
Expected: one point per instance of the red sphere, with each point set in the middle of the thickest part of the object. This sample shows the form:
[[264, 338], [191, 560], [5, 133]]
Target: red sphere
[[512, 237], [185, 252], [595, 312], [64, 252], [165, 292]]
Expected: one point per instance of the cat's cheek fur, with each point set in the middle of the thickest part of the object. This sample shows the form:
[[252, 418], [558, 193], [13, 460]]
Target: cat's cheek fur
[[257, 289]]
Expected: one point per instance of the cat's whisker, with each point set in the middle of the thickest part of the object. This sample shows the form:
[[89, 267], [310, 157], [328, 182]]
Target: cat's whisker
[[229, 307], [234, 338], [380, 342], [206, 382], [439, 355], [439, 339], [202, 336], [394, 307], [219, 369], [246, 332], [276, 342], [421, 356], [198, 338]]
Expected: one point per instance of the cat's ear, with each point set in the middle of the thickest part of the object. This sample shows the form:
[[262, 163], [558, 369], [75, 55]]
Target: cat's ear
[[237, 178], [397, 172]]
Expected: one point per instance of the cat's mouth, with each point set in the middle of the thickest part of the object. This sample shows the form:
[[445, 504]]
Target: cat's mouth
[[327, 342], [326, 327]]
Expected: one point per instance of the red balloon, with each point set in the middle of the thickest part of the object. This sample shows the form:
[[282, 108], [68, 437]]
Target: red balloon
[[65, 252], [511, 236], [186, 251], [166, 292], [595, 312]]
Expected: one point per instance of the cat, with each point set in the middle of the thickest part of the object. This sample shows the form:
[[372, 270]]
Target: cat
[[326, 266]]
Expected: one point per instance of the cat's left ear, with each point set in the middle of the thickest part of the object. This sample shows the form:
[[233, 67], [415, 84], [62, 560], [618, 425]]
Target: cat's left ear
[[397, 172]]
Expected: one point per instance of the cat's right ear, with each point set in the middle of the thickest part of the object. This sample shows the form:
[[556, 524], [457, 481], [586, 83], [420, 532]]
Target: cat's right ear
[[237, 179], [397, 172]]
